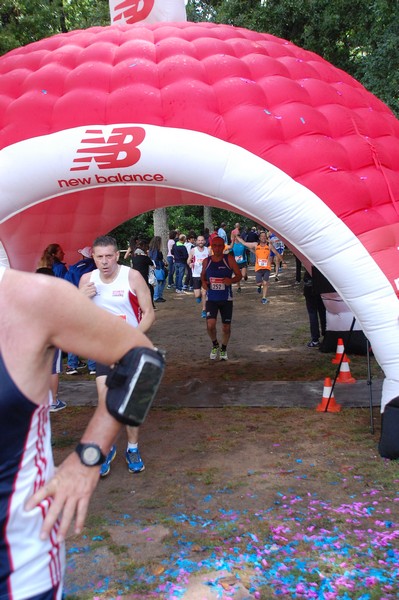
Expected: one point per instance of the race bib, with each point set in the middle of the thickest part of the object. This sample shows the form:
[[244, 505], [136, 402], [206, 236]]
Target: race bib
[[262, 263], [217, 283]]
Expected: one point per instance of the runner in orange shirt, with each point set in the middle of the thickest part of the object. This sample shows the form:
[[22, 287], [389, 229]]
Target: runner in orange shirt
[[262, 262]]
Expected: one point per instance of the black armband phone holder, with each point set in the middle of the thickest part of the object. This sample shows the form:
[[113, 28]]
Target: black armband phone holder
[[133, 384]]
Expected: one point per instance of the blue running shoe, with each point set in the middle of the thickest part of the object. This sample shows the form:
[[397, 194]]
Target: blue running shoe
[[57, 405], [265, 301], [106, 466], [134, 462], [198, 300], [203, 314]]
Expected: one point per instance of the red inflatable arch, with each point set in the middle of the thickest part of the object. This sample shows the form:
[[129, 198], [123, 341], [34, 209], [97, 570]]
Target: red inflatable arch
[[100, 125]]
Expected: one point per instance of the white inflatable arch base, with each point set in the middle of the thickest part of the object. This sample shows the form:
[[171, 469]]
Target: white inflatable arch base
[[106, 158]]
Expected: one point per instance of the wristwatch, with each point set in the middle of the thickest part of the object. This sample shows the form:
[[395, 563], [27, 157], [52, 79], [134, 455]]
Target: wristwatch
[[90, 454]]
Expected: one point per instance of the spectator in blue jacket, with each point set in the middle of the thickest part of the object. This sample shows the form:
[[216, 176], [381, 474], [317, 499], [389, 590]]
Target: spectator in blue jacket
[[52, 258], [75, 272], [85, 265]]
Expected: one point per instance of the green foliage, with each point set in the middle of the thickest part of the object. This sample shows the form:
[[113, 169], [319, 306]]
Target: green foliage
[[81, 14], [22, 22], [184, 218], [26, 21], [139, 227], [201, 10], [377, 66]]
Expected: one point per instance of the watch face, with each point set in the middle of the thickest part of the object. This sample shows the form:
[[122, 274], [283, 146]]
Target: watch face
[[91, 455]]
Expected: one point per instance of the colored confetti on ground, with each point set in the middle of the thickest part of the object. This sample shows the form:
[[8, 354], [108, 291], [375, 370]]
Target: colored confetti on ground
[[300, 547]]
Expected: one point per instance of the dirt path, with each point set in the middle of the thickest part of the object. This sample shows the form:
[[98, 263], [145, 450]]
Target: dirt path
[[262, 335], [238, 502]]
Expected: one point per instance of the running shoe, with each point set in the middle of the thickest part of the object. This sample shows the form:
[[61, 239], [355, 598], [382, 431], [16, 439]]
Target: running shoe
[[81, 365], [214, 353], [198, 300], [223, 355], [106, 466], [239, 290], [71, 371], [259, 289], [134, 461], [203, 314], [276, 279], [313, 344], [92, 372], [57, 405], [265, 301]]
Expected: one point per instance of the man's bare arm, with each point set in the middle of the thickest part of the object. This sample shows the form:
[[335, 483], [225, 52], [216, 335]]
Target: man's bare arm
[[250, 245], [69, 320]]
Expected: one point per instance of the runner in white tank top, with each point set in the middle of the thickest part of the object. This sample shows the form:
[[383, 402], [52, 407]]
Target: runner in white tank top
[[116, 296], [196, 257], [123, 292], [199, 255]]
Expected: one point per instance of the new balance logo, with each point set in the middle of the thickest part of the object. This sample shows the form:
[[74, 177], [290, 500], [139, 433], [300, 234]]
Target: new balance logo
[[129, 11], [118, 151]]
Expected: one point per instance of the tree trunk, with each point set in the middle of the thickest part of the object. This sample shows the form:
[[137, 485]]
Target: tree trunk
[[208, 218], [59, 7], [161, 228]]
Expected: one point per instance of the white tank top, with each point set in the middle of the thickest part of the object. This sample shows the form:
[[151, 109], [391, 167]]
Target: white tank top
[[199, 257], [116, 297]]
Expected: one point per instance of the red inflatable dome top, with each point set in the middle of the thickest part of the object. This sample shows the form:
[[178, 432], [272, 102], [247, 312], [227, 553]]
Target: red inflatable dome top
[[282, 103]]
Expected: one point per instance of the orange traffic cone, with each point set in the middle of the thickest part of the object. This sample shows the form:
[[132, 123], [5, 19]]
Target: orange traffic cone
[[345, 372], [328, 403], [339, 352]]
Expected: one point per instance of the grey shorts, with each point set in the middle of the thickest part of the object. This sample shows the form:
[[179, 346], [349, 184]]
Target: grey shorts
[[262, 275]]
